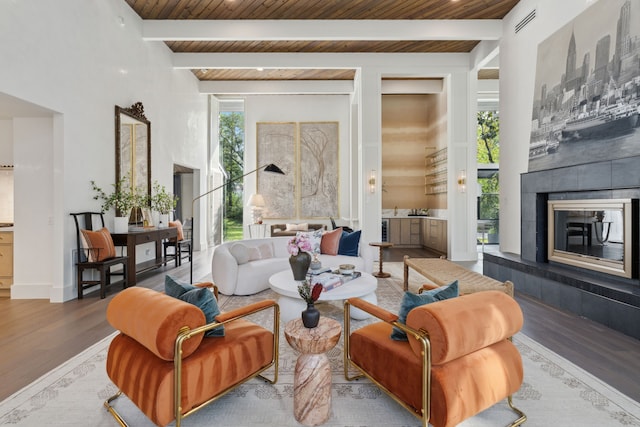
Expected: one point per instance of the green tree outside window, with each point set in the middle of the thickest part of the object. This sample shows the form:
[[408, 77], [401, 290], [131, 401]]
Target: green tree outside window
[[232, 144], [488, 145]]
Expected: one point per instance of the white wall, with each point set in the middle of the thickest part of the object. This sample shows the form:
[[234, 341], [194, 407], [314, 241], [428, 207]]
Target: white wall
[[6, 142], [518, 54], [75, 57], [33, 208], [6, 176]]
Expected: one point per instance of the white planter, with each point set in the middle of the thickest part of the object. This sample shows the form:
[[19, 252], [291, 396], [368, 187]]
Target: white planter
[[121, 224], [163, 222]]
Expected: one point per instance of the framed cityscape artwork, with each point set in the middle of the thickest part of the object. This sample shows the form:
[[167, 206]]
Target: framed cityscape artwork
[[587, 89]]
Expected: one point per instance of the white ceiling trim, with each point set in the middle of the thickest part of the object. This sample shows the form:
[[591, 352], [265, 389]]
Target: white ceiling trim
[[277, 87], [279, 30], [406, 61]]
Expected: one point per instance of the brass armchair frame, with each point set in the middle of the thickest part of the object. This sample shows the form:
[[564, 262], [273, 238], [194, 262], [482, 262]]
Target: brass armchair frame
[[423, 338], [186, 333]]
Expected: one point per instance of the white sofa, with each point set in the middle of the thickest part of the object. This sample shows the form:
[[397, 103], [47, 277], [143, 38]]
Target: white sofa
[[253, 276]]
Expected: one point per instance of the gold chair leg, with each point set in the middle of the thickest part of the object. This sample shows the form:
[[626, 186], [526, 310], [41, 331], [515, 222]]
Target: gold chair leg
[[522, 418], [112, 410], [346, 350]]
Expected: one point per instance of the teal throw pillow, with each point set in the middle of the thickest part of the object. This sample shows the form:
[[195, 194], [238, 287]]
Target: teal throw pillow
[[175, 288], [349, 243], [200, 297], [411, 301]]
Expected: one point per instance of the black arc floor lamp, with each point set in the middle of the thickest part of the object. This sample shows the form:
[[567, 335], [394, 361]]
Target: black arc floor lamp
[[267, 168]]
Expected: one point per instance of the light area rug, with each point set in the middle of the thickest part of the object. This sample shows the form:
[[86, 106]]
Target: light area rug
[[555, 392]]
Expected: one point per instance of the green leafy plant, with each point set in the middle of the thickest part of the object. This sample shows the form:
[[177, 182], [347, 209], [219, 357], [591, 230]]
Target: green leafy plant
[[161, 200], [123, 198]]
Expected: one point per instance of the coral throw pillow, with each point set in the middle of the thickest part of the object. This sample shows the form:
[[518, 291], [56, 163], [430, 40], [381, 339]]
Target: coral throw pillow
[[178, 225], [99, 245], [330, 242]]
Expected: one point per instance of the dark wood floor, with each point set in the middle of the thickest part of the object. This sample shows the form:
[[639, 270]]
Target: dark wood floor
[[37, 336]]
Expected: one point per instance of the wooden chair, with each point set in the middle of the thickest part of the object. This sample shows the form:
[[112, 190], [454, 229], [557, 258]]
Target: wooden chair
[[458, 360], [181, 244], [163, 363], [580, 229], [94, 257], [344, 228]]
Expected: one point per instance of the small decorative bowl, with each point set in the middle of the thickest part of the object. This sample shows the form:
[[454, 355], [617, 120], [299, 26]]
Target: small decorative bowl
[[346, 268]]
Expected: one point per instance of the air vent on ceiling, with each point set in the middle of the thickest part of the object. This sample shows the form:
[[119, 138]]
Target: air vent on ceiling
[[530, 17]]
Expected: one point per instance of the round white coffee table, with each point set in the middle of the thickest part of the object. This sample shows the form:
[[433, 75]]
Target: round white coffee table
[[291, 304]]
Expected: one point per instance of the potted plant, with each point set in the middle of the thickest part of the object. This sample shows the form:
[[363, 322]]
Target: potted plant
[[163, 202], [310, 294], [123, 199]]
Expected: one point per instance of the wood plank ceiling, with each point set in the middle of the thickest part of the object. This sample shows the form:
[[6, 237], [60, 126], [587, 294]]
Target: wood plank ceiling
[[316, 10]]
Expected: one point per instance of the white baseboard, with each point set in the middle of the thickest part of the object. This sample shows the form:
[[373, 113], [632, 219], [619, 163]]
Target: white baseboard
[[31, 291]]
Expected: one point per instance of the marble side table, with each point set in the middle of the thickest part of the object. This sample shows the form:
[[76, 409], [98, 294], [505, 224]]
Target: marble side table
[[312, 377]]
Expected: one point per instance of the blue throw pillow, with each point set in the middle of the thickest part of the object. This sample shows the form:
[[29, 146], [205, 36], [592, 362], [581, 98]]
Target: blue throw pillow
[[200, 297], [411, 301], [174, 288], [349, 243]]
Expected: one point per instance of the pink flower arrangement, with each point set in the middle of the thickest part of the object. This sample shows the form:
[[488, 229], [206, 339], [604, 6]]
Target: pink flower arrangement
[[299, 243]]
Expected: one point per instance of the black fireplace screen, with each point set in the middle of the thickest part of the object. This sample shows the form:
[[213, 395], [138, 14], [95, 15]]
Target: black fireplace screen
[[592, 234]]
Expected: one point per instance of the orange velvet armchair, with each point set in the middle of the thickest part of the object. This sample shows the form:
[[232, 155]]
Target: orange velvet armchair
[[457, 362], [163, 363]]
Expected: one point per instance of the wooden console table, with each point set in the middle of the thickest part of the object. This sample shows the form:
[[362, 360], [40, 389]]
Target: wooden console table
[[442, 272], [134, 238]]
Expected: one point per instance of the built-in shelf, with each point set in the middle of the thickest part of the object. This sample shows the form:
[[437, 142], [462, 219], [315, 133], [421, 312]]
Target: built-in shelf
[[435, 176]]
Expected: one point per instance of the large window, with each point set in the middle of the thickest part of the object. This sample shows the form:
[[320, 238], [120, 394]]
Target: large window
[[232, 161], [488, 138]]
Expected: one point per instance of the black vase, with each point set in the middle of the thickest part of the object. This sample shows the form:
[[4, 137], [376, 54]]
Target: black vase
[[300, 265], [310, 316]]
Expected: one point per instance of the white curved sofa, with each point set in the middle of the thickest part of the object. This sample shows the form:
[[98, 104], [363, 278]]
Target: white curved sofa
[[253, 276]]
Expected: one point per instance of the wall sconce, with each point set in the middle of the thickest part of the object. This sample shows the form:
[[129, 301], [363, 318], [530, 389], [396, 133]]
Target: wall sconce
[[462, 181], [372, 181]]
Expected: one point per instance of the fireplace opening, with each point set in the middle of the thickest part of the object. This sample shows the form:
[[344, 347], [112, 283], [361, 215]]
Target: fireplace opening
[[594, 234]]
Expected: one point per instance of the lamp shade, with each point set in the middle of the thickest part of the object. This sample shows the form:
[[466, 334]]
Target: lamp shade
[[256, 201]]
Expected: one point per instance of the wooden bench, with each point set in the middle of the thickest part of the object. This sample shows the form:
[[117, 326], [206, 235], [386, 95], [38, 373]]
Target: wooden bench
[[442, 272]]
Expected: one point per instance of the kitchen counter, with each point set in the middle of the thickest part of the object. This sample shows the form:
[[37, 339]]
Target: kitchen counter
[[413, 231], [413, 216]]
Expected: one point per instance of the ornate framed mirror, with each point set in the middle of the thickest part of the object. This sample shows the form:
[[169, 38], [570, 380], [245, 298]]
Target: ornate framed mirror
[[133, 146]]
